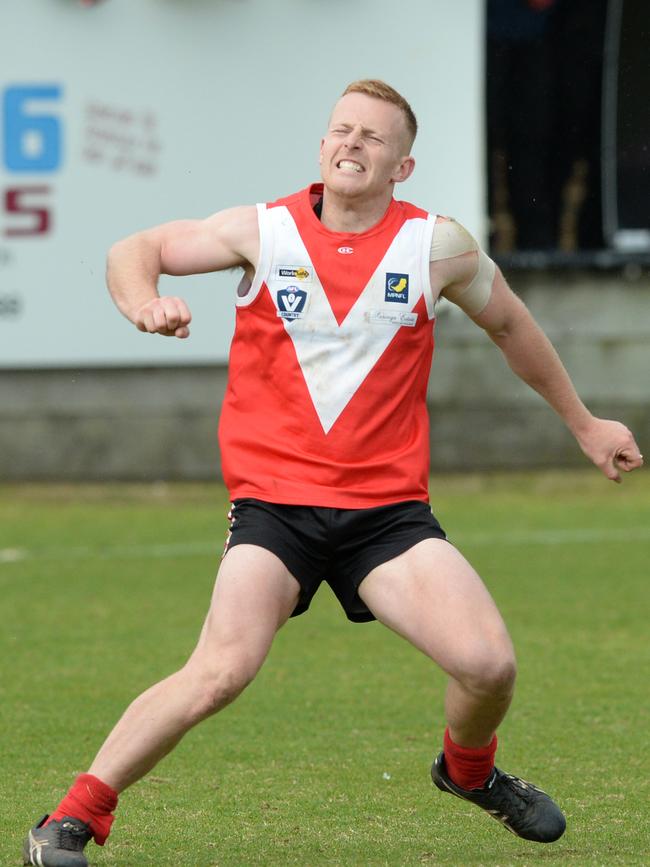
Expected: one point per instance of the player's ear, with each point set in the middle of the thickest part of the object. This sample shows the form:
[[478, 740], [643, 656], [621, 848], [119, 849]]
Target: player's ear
[[320, 154], [404, 170]]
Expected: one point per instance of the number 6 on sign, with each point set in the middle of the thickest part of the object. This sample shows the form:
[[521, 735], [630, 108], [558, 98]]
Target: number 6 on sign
[[32, 141]]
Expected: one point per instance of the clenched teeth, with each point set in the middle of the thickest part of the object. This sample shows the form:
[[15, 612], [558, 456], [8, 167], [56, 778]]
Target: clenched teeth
[[349, 164]]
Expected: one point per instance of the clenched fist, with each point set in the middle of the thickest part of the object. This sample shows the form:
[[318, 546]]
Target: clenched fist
[[611, 446], [167, 315]]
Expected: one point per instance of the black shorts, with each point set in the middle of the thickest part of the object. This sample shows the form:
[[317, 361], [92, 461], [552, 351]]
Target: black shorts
[[338, 546]]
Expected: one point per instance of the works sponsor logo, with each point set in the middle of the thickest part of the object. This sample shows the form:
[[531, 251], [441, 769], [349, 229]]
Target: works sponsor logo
[[300, 272]]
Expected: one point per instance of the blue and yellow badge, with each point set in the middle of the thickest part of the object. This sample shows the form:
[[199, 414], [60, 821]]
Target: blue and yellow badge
[[397, 288]]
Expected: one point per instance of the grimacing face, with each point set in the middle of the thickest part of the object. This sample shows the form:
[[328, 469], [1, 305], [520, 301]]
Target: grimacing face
[[365, 150]]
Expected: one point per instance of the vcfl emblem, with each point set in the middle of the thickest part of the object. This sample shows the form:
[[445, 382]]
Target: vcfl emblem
[[291, 302]]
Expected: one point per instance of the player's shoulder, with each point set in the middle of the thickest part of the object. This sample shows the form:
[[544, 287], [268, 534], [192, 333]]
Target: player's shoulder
[[451, 238], [237, 226], [408, 210], [451, 225], [296, 198], [238, 217]]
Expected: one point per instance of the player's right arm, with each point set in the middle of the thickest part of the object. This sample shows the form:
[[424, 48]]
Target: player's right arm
[[227, 239], [486, 297]]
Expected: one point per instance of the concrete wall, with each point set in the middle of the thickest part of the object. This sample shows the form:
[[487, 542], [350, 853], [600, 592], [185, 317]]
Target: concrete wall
[[161, 423]]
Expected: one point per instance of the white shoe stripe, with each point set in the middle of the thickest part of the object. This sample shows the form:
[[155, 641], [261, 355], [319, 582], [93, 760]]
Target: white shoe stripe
[[35, 847]]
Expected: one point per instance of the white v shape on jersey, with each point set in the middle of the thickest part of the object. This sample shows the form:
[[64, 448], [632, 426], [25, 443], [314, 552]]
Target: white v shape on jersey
[[330, 360]]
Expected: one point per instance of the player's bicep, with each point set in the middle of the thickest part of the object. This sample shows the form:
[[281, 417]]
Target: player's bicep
[[192, 247], [467, 272], [213, 244], [503, 310], [473, 290]]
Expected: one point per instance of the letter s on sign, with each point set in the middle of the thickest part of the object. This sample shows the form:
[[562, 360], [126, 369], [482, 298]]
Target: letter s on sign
[[39, 217]]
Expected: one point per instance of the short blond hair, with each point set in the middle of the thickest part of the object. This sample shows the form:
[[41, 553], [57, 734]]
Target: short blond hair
[[380, 90]]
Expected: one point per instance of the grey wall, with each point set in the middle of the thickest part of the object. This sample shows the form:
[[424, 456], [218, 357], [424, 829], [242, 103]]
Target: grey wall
[[161, 423]]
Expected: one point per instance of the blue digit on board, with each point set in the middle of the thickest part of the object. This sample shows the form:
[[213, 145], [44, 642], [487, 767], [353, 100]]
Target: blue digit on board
[[32, 139]]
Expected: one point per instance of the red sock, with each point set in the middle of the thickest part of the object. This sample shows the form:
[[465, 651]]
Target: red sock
[[91, 801], [469, 767]]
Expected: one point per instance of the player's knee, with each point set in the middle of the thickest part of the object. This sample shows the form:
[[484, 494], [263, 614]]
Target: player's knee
[[491, 672], [219, 685], [501, 674]]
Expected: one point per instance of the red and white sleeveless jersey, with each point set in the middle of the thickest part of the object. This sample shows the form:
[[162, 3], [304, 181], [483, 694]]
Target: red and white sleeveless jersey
[[326, 400]]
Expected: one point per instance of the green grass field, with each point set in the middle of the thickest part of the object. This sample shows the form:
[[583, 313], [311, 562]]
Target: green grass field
[[325, 758]]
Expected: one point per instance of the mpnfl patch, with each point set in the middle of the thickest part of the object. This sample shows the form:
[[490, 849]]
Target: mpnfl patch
[[397, 288]]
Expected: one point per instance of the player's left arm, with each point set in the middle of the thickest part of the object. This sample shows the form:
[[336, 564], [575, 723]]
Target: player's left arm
[[530, 354]]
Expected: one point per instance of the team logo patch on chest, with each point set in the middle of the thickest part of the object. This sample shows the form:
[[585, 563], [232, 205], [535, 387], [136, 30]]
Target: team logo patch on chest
[[291, 302], [397, 288]]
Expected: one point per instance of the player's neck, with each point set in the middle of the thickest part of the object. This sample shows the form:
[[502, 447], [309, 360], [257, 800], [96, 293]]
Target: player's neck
[[349, 214]]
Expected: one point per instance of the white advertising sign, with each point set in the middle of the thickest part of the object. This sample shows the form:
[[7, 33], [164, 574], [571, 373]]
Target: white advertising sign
[[123, 114]]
